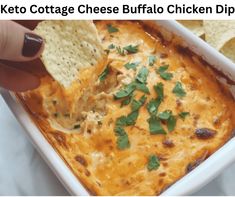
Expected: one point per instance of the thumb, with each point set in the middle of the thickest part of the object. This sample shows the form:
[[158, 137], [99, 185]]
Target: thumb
[[18, 43]]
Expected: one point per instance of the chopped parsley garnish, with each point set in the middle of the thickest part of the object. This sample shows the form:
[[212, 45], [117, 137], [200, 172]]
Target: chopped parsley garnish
[[178, 90], [152, 59], [132, 65], [165, 115], [127, 100], [155, 126], [141, 80], [119, 131], [122, 137], [142, 87], [129, 89], [153, 105], [135, 105], [131, 118], [171, 122], [128, 120], [162, 69], [123, 142], [154, 122], [120, 51], [111, 46], [159, 90], [183, 114], [131, 48], [126, 91], [153, 163], [163, 74], [169, 118], [142, 75], [104, 74], [121, 121], [166, 76], [111, 29]]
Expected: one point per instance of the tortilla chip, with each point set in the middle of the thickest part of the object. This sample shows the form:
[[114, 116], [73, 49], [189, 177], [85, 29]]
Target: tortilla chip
[[219, 32], [228, 49], [196, 26], [221, 35], [70, 47]]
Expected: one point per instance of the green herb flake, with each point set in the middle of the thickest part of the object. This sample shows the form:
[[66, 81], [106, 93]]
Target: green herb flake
[[155, 126], [178, 90], [120, 51], [121, 121], [111, 29], [159, 90], [152, 59], [126, 91], [162, 69], [153, 105], [165, 115], [135, 105], [142, 99], [104, 74], [131, 65], [142, 87], [123, 142], [163, 74], [142, 75], [119, 131], [131, 48], [183, 115], [166, 76], [131, 118], [127, 100], [171, 123], [153, 162], [111, 46]]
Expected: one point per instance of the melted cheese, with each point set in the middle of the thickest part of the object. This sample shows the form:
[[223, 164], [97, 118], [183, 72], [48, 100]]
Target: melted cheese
[[91, 151]]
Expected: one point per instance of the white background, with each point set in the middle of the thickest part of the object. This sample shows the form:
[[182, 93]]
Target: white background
[[23, 172]]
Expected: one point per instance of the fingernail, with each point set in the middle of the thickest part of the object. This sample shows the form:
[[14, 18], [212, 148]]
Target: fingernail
[[32, 44]]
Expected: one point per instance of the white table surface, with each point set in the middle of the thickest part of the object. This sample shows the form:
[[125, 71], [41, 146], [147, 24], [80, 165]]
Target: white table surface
[[23, 172]]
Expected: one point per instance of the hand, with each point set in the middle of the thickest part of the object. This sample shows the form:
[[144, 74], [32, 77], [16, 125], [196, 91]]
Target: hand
[[18, 43]]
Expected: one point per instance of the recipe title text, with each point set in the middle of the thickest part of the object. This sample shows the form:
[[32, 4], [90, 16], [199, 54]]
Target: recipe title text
[[126, 9]]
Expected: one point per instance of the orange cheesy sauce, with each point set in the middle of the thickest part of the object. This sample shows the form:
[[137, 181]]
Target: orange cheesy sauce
[[85, 137]]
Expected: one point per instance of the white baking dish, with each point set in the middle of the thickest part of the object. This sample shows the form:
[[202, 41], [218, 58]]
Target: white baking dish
[[185, 186]]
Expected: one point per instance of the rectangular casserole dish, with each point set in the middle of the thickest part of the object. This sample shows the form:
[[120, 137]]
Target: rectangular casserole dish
[[204, 173]]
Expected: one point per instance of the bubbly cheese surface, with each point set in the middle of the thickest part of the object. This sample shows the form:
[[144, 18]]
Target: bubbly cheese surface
[[84, 136]]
